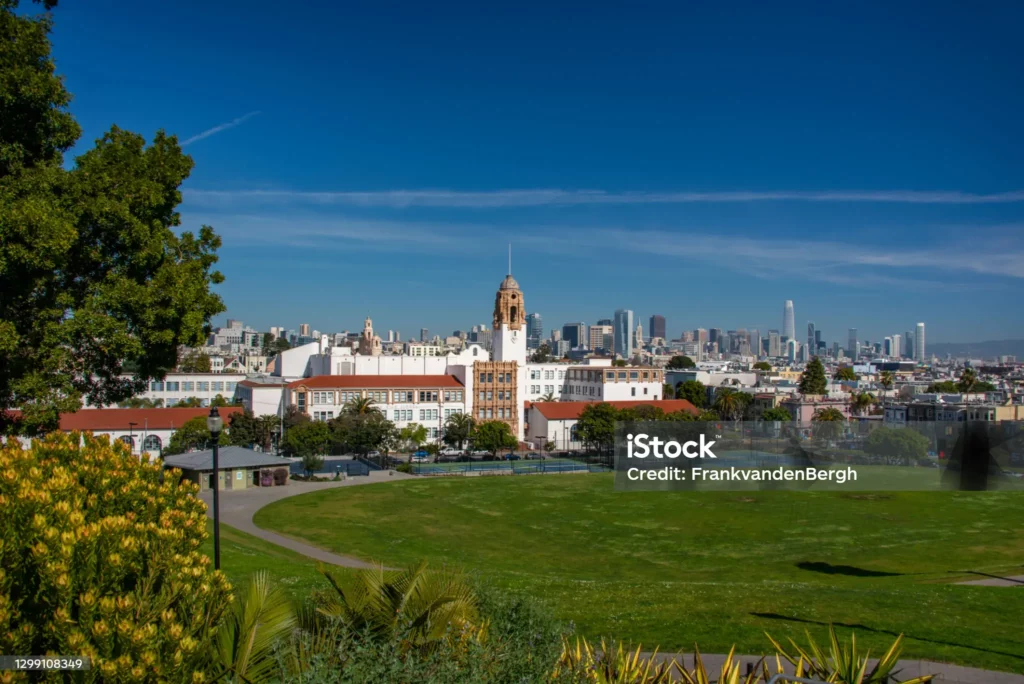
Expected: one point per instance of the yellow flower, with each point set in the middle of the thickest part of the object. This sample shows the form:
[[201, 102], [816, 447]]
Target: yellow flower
[[100, 628]]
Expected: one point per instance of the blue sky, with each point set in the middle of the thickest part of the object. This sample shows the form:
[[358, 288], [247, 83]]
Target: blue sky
[[705, 161]]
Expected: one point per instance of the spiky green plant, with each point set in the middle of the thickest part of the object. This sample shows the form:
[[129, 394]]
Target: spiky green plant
[[262, 618], [418, 605], [842, 663], [729, 674], [610, 665]]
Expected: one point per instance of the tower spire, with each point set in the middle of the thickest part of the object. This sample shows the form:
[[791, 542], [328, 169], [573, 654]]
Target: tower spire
[[510, 258]]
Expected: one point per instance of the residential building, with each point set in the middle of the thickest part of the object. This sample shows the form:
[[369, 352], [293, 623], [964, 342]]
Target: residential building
[[304, 330], [802, 408], [176, 387], [595, 383]]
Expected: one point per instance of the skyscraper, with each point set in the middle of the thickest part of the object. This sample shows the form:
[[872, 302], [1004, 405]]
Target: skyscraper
[[424, 334], [715, 335], [851, 343], [812, 344], [304, 329], [897, 346], [597, 335], [534, 329], [605, 321], [908, 344], [657, 326], [919, 343], [788, 321], [575, 334], [887, 346], [774, 344], [623, 333], [700, 335], [638, 338]]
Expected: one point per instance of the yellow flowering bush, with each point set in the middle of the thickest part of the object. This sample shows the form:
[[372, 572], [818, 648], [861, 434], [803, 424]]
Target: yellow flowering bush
[[99, 557]]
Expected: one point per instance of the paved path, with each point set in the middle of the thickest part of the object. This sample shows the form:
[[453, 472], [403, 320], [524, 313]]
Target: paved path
[[238, 507], [995, 581]]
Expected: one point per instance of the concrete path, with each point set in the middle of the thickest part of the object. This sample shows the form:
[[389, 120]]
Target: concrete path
[[238, 507], [995, 581]]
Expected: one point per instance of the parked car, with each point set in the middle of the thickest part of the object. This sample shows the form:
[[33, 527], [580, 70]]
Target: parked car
[[420, 457], [510, 457], [533, 456], [449, 451]]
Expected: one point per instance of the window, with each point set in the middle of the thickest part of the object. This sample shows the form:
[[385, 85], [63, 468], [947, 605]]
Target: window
[[535, 375], [508, 377], [480, 414], [490, 413], [483, 377], [549, 374], [203, 386], [171, 401], [238, 474], [151, 443], [646, 375], [230, 386], [300, 402], [622, 375], [188, 386], [156, 386], [501, 378], [171, 386], [633, 375], [458, 395], [490, 396], [561, 375], [398, 415], [645, 390], [490, 377], [447, 395], [609, 375], [218, 385], [633, 391], [549, 388]]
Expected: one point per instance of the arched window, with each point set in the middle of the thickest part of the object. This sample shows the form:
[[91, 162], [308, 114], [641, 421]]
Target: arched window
[[151, 443], [128, 439], [515, 313]]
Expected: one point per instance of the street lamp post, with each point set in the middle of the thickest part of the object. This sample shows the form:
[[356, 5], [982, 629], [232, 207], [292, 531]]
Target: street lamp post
[[215, 424], [131, 436]]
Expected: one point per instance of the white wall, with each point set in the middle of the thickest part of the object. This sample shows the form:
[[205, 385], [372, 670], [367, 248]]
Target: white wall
[[178, 386]]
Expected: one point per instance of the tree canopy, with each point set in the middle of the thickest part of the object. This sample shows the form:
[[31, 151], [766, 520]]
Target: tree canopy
[[193, 435], [813, 380], [897, 445], [95, 277], [308, 439], [542, 354], [680, 362], [494, 436], [693, 391], [458, 428], [762, 366], [845, 373], [776, 413], [194, 362]]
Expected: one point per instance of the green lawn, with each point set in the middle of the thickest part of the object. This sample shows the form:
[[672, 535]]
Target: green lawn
[[242, 554], [719, 568]]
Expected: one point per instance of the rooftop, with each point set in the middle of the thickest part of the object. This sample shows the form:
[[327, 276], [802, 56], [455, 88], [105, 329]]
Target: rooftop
[[569, 410], [229, 457], [377, 382], [143, 418]]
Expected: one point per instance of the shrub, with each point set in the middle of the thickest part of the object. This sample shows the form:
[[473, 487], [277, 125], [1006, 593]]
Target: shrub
[[404, 468], [280, 476], [99, 557]]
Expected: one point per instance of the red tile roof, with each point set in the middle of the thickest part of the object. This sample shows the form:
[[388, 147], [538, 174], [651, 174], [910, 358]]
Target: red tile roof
[[144, 418], [376, 381], [570, 410]]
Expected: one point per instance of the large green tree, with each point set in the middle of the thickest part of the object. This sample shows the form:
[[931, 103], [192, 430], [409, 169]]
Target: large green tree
[[95, 279], [312, 438], [193, 435], [845, 373], [596, 426], [494, 436], [693, 391], [680, 362], [776, 413], [813, 380], [249, 430], [195, 362]]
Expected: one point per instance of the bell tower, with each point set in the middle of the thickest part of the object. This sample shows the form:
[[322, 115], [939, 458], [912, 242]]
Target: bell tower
[[509, 339]]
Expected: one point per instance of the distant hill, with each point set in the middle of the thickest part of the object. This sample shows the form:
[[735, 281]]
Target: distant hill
[[978, 350]]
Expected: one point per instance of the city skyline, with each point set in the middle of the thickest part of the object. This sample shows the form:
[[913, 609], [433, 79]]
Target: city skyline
[[700, 173]]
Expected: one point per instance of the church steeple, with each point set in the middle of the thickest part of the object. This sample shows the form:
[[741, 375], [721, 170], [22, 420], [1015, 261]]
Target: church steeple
[[509, 306]]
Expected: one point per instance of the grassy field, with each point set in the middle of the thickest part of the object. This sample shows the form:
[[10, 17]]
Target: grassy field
[[719, 568]]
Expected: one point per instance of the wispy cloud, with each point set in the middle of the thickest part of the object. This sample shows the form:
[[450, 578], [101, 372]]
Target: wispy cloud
[[557, 197], [940, 265], [217, 129]]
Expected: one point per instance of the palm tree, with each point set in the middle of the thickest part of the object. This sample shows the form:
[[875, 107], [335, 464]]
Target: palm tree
[[861, 403], [828, 422], [457, 429], [886, 381], [968, 379], [728, 404], [550, 396], [260, 617], [416, 605], [360, 407]]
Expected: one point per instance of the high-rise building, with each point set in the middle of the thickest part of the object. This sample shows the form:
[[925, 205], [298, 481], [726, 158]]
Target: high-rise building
[[897, 346], [774, 344], [686, 336], [908, 345], [534, 329], [391, 335], [715, 336], [424, 334], [887, 347], [819, 344], [638, 337], [575, 334], [812, 345], [919, 343], [851, 343], [304, 329], [556, 335], [700, 335], [623, 333], [788, 320], [605, 321], [792, 348], [598, 334], [657, 326]]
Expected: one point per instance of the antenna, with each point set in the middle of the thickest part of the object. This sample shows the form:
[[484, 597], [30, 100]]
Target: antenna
[[510, 258]]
